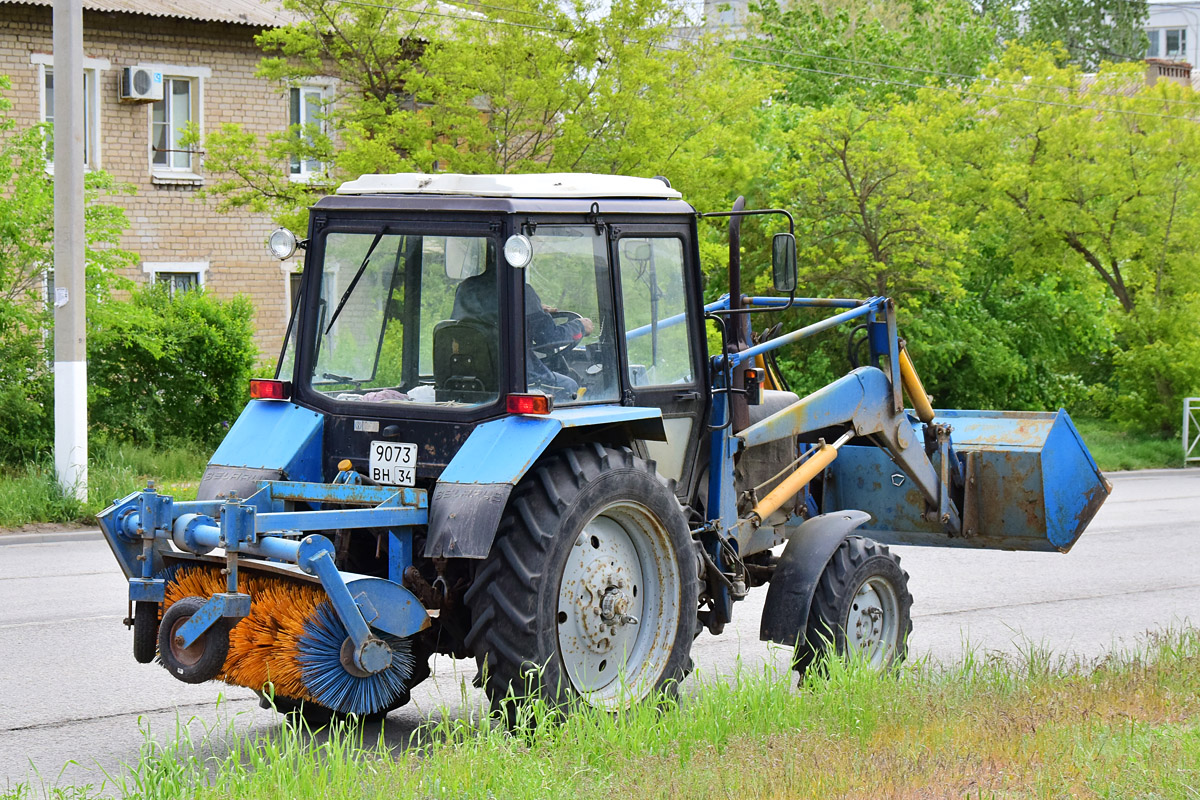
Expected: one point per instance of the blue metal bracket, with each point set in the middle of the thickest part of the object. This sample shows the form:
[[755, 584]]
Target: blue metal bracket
[[147, 590], [238, 524], [893, 354], [400, 553], [154, 512], [224, 604]]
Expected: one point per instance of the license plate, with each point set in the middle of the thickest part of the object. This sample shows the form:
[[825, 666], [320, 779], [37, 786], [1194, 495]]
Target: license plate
[[394, 463]]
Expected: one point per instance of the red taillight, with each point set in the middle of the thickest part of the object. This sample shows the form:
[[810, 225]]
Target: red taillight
[[262, 389], [528, 404]]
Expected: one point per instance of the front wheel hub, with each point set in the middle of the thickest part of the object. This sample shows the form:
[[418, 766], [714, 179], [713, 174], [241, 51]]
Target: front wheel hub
[[872, 622]]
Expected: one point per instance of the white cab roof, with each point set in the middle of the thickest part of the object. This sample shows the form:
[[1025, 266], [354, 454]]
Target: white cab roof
[[548, 184]]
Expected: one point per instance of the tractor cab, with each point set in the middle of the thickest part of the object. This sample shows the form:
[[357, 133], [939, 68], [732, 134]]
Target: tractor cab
[[433, 303]]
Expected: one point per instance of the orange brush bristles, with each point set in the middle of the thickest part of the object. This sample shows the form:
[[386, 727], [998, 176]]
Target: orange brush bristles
[[263, 645]]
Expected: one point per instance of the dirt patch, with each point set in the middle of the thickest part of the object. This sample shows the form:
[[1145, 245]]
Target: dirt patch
[[47, 527]]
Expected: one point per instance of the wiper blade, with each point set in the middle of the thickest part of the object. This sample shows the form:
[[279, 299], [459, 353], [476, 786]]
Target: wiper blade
[[329, 376], [350, 289]]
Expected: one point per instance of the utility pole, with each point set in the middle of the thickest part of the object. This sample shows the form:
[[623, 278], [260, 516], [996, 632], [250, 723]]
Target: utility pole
[[70, 295]]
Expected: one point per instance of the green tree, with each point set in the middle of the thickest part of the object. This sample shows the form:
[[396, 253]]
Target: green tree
[[870, 200], [1090, 31], [869, 51], [1094, 178], [26, 259], [533, 86]]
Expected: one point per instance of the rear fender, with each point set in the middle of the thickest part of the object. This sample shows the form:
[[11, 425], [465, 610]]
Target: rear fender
[[790, 593], [472, 492], [270, 441]]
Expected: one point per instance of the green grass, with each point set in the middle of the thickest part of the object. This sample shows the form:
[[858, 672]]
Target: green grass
[[1116, 449], [30, 494], [1035, 726]]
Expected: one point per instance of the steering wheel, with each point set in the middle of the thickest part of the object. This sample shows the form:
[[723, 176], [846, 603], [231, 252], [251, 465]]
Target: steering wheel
[[551, 350]]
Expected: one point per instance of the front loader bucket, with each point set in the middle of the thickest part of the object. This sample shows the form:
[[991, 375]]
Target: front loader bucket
[[1031, 484]]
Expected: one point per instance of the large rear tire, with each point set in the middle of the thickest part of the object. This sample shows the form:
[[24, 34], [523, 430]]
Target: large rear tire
[[591, 589], [862, 608]]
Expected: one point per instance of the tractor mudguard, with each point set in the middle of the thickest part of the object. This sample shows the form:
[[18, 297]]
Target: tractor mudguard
[[471, 494], [271, 440], [790, 593]]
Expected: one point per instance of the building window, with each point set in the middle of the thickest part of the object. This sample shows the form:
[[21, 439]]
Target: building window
[[179, 276], [169, 121], [294, 289], [1175, 42], [91, 104], [305, 104], [177, 281], [1167, 43], [48, 288]]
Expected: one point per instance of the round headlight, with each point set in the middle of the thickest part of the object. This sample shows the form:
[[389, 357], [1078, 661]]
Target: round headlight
[[282, 243], [518, 250]]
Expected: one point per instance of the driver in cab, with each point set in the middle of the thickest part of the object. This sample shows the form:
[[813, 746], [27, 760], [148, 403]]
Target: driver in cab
[[475, 299]]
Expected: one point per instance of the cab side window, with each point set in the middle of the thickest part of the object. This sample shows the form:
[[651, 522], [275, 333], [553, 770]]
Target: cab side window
[[654, 301]]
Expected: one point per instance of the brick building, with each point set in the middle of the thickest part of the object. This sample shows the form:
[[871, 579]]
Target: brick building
[[206, 57]]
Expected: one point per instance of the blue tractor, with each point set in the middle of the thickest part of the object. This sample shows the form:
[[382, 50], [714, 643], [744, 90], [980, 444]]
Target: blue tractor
[[499, 431]]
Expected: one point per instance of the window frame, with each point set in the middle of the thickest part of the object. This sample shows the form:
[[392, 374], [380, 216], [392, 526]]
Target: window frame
[[325, 87], [628, 233], [1181, 53], [606, 301], [1158, 43], [676, 401], [307, 319], [165, 173], [197, 268], [92, 68]]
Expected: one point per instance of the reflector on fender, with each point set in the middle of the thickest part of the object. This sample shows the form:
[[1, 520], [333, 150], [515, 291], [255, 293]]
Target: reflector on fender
[[528, 404], [263, 389]]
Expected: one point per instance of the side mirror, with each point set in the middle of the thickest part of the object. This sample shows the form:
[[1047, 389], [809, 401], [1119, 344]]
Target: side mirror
[[783, 262], [465, 256], [637, 249]]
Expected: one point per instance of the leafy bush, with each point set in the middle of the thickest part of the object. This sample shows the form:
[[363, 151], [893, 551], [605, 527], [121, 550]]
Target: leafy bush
[[168, 367]]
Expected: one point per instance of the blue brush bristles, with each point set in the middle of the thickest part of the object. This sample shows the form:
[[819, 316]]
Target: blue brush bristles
[[320, 650]]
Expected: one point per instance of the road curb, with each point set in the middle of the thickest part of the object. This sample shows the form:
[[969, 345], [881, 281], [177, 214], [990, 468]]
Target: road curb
[[49, 537], [1152, 473]]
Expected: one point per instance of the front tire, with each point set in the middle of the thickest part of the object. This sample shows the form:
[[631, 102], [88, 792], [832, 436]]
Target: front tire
[[145, 631], [591, 589], [862, 608], [204, 659]]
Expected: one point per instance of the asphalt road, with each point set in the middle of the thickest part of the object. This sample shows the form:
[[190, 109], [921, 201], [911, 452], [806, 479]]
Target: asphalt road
[[74, 705]]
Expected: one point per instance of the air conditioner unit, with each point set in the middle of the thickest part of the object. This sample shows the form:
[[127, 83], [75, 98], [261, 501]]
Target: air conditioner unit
[[141, 84]]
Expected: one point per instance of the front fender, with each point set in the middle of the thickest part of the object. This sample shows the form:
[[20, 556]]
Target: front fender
[[472, 492], [790, 594]]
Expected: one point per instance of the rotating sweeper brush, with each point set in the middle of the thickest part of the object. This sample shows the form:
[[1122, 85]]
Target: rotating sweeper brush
[[272, 612], [291, 645]]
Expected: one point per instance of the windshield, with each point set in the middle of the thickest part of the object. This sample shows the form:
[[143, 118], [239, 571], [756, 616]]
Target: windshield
[[388, 331]]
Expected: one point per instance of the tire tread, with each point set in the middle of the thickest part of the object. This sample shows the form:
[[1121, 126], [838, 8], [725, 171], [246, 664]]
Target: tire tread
[[504, 594]]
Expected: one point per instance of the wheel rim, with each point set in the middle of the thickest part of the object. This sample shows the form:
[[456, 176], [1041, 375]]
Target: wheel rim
[[873, 622], [185, 656], [618, 605]]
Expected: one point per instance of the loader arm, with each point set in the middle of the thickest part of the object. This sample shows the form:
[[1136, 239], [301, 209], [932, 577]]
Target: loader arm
[[1012, 480], [862, 401]]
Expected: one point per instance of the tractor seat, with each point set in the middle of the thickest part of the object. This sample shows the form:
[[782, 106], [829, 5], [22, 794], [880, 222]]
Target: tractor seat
[[465, 361]]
